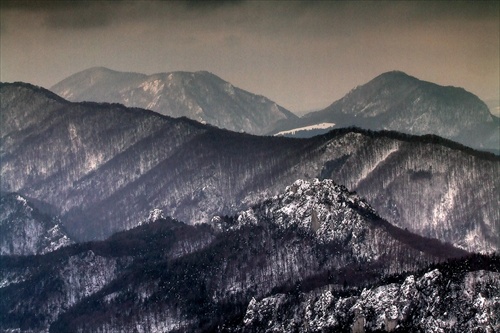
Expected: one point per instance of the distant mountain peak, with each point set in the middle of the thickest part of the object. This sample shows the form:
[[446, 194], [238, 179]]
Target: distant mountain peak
[[97, 69], [201, 96], [102, 69], [395, 74], [399, 102], [204, 72], [395, 77], [98, 72]]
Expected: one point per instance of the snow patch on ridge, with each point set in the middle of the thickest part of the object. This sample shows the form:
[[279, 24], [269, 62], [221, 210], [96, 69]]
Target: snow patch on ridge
[[55, 239], [306, 128], [445, 207], [153, 87], [154, 215]]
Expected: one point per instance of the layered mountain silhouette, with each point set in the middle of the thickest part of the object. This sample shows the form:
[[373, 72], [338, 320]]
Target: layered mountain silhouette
[[314, 237], [399, 102], [287, 245], [103, 167], [201, 96]]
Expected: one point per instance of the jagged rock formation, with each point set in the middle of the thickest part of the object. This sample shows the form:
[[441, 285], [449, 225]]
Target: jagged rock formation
[[399, 102], [334, 215], [201, 96], [168, 276], [105, 167], [432, 302], [25, 230]]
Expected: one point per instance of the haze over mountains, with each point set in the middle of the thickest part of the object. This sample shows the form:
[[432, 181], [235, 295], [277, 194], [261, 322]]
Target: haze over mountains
[[104, 167], [201, 96], [162, 198], [392, 101], [399, 102]]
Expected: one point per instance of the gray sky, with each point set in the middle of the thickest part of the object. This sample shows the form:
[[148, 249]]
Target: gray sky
[[302, 55]]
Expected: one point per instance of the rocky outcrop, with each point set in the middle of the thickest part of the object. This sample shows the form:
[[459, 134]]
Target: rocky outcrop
[[431, 302]]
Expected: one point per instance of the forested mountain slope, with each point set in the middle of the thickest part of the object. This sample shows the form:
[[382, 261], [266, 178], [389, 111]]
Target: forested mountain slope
[[25, 230], [105, 166], [168, 276]]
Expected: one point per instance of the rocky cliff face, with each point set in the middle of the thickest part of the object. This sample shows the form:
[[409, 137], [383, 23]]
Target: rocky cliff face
[[104, 167], [168, 276], [25, 230], [201, 96], [396, 101]]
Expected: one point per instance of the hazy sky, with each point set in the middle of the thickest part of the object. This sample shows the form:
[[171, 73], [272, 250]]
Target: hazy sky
[[303, 55]]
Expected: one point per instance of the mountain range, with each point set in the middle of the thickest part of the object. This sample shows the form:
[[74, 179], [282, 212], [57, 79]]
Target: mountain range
[[391, 101], [117, 218], [314, 257], [103, 167], [201, 96], [399, 102]]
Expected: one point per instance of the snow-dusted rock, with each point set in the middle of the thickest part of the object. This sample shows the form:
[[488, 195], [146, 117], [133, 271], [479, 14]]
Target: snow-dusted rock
[[425, 303]]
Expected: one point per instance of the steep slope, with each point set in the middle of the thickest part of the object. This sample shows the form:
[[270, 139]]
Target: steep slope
[[104, 167], [25, 230], [399, 102], [201, 96], [168, 276]]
